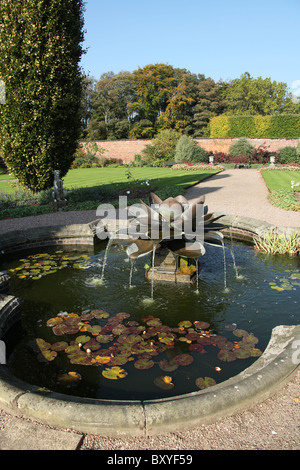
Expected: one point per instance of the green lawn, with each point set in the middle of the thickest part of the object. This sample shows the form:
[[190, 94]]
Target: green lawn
[[89, 177], [281, 179], [87, 187], [158, 177]]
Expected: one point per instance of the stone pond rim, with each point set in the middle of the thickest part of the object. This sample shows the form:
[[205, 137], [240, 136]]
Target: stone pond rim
[[114, 418]]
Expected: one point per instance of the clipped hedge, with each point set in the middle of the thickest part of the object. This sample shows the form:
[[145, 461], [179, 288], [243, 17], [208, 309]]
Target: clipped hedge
[[277, 126]]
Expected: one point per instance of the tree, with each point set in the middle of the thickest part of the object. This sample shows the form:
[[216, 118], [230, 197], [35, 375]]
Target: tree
[[247, 95], [111, 117], [176, 114], [154, 84], [40, 50], [88, 98], [208, 103]]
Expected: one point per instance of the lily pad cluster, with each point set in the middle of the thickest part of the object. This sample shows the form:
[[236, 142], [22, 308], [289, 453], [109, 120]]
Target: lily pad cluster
[[96, 338], [286, 283], [42, 264]]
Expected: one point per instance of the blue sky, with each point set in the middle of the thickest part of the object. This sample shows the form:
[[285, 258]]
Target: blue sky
[[221, 39]]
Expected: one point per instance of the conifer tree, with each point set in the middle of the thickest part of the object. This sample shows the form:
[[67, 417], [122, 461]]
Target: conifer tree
[[40, 51]]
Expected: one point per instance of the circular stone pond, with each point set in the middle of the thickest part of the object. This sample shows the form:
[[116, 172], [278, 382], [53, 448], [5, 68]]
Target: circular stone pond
[[110, 335]]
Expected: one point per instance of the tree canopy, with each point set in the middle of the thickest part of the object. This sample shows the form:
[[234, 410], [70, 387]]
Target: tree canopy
[[156, 97]]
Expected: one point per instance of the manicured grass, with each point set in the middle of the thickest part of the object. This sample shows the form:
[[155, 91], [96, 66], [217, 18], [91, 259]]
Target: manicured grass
[[158, 177], [281, 179], [89, 177], [7, 186], [87, 188]]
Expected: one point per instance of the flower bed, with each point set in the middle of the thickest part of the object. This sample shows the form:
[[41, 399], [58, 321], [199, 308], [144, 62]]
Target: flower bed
[[196, 166]]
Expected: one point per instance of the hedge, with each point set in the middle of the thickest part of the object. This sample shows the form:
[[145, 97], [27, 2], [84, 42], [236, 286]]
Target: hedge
[[277, 126]]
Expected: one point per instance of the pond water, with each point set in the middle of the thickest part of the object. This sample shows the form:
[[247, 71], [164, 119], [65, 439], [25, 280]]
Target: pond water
[[133, 346]]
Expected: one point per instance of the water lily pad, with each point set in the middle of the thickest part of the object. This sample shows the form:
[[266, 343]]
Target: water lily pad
[[205, 382], [119, 329], [69, 329], [166, 338], [104, 338], [80, 358], [226, 356], [242, 353], [223, 343], [123, 315], [72, 320], [133, 339], [255, 352], [82, 339], [114, 373], [196, 347], [201, 325], [86, 316], [49, 355], [192, 336], [103, 359], [54, 321], [99, 314], [92, 344], [73, 348], [59, 346], [164, 382], [240, 333], [154, 322], [250, 339], [143, 363], [167, 366], [183, 359], [205, 340], [60, 330], [42, 344], [94, 329], [183, 339], [185, 324], [45, 352], [120, 360]]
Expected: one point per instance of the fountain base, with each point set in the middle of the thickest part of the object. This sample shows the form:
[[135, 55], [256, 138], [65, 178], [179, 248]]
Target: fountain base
[[171, 268], [159, 275]]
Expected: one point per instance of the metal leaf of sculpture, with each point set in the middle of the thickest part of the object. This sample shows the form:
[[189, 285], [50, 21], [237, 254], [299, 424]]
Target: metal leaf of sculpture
[[175, 214]]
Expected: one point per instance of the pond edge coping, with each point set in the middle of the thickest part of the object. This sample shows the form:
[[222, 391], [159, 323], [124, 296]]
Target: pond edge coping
[[114, 418]]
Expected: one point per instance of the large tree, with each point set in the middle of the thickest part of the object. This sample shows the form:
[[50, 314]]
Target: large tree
[[248, 95], [154, 85], [208, 103], [40, 51], [110, 117]]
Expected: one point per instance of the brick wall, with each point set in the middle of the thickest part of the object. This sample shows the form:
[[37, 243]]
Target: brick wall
[[222, 145], [126, 149]]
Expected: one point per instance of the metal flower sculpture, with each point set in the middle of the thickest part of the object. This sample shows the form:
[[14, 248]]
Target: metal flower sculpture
[[176, 224]]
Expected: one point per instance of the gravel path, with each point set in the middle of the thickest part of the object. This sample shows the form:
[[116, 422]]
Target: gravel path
[[273, 424], [244, 193]]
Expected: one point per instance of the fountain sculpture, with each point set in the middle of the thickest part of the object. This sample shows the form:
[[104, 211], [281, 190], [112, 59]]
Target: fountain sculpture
[[175, 232]]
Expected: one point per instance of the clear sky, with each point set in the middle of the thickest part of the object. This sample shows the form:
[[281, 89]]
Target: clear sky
[[221, 39]]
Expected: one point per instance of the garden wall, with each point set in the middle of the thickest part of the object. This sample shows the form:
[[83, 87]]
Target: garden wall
[[126, 149]]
